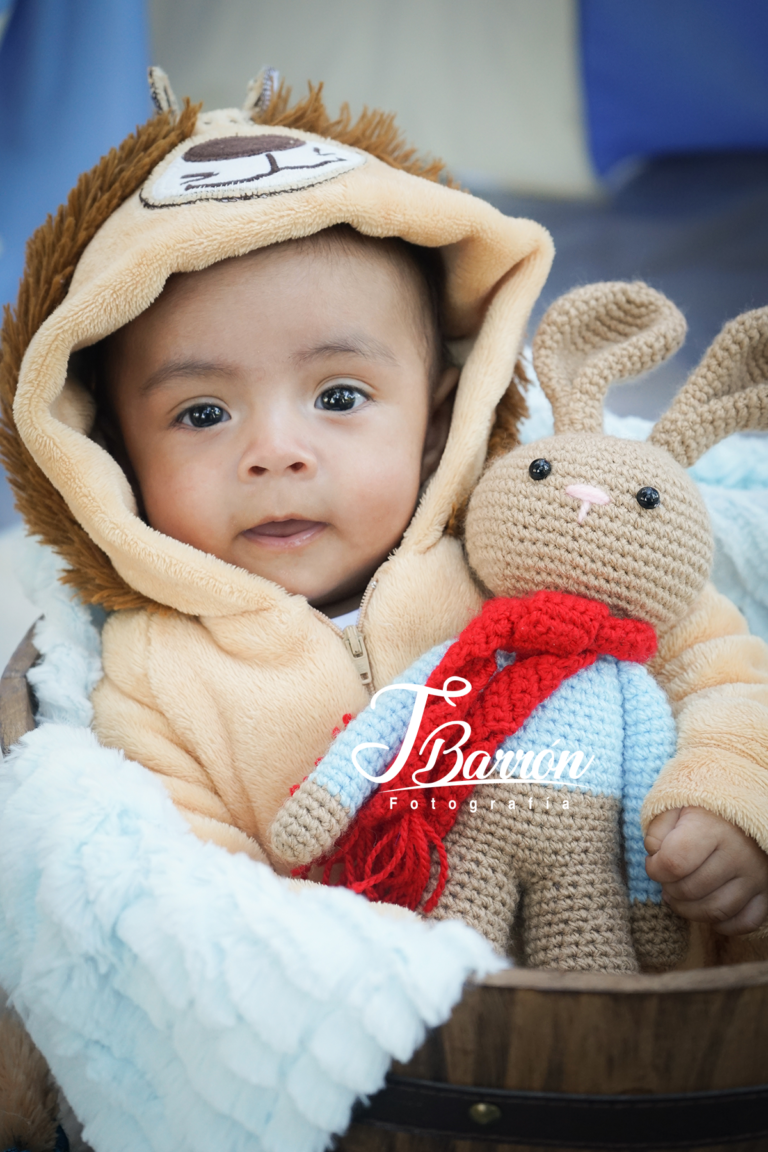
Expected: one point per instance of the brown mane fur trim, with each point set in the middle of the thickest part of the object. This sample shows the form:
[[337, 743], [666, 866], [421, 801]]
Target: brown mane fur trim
[[52, 255], [374, 131], [505, 436]]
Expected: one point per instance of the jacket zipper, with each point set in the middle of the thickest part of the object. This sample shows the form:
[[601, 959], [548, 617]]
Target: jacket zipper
[[355, 644], [353, 639]]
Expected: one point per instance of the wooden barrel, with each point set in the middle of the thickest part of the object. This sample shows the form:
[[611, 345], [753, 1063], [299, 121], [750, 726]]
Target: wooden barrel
[[561, 1060], [17, 703], [572, 1060]]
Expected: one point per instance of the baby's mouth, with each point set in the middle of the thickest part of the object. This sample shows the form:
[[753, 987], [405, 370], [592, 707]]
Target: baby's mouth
[[289, 533]]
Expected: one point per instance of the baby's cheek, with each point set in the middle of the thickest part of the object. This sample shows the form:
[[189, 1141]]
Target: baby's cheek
[[385, 499], [185, 504]]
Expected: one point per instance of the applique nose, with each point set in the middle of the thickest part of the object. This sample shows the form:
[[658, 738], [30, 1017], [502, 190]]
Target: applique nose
[[588, 496]]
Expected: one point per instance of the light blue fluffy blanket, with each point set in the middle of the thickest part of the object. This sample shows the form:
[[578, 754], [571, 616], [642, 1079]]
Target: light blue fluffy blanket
[[187, 999]]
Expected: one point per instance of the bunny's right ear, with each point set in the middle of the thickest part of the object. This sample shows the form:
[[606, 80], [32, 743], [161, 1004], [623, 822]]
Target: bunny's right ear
[[728, 392], [596, 335]]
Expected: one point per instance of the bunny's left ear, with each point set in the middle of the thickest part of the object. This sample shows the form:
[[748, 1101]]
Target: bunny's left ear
[[595, 336], [728, 392]]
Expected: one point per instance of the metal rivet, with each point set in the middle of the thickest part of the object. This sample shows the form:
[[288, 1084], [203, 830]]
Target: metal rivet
[[484, 1113]]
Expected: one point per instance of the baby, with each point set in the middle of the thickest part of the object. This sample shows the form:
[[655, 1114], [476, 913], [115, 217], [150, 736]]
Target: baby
[[286, 439]]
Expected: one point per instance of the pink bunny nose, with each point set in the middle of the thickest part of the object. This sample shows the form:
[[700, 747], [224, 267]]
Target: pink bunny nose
[[588, 496]]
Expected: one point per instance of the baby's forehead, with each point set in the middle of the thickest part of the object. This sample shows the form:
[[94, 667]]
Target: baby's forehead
[[368, 254], [416, 275], [374, 280]]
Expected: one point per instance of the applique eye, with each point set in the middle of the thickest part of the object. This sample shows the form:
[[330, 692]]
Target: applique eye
[[539, 469], [648, 498], [204, 415], [340, 398]]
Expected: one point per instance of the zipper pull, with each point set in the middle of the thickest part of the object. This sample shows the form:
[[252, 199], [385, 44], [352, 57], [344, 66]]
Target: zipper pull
[[357, 650]]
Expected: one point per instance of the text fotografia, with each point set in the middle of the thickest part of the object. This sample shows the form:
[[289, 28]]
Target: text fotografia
[[545, 766], [511, 805]]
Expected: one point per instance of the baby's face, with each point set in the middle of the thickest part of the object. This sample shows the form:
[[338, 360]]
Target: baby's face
[[276, 412]]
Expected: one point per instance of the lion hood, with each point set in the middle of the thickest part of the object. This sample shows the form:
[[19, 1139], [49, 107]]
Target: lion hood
[[192, 188]]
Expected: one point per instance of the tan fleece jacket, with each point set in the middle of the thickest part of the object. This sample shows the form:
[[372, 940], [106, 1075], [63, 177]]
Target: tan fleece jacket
[[233, 688]]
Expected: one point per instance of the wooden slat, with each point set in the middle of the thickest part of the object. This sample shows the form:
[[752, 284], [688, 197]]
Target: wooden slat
[[17, 712], [604, 983], [584, 1042]]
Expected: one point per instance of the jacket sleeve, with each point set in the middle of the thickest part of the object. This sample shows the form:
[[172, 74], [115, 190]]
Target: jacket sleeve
[[716, 678], [125, 717]]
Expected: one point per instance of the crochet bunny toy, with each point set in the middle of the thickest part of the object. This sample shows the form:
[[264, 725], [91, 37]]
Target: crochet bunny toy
[[589, 544]]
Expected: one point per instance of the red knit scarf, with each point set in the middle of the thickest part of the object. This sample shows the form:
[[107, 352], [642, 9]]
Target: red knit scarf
[[386, 852]]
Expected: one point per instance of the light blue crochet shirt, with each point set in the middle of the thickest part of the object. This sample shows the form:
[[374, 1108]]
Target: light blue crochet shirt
[[607, 730]]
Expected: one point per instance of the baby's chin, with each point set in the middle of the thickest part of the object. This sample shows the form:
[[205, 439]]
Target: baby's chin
[[304, 558]]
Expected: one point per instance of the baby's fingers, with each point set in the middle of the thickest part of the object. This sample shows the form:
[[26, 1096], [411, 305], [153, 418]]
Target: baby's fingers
[[677, 859], [717, 870], [686, 846], [751, 916], [733, 908], [659, 828]]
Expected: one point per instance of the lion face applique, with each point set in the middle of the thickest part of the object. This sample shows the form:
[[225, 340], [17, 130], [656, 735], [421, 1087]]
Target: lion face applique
[[245, 166]]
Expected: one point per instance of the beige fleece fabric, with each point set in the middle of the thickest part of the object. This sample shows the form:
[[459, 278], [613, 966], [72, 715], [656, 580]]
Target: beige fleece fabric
[[716, 677]]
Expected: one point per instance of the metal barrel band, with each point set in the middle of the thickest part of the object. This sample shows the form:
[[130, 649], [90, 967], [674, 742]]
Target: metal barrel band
[[550, 1119]]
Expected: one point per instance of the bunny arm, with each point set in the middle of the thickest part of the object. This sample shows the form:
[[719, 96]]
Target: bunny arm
[[649, 742], [314, 817], [661, 938], [715, 675]]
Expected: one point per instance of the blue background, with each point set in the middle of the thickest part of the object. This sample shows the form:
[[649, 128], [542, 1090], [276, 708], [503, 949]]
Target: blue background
[[73, 83], [666, 76]]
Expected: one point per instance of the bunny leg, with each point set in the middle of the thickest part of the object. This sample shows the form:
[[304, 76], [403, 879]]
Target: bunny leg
[[575, 908], [481, 889], [660, 937]]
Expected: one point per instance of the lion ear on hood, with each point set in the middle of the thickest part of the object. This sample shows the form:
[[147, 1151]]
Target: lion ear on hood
[[260, 91], [163, 96]]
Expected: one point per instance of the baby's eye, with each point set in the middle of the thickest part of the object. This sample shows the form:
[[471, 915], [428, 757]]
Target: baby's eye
[[203, 415], [340, 398]]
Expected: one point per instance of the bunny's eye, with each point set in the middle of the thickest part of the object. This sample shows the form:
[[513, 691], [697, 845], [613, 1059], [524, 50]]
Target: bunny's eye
[[648, 498], [539, 469]]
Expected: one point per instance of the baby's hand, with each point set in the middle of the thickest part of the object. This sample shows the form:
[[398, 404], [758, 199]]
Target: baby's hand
[[709, 869]]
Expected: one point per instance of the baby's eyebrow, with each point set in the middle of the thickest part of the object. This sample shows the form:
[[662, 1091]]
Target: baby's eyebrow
[[367, 346], [185, 368]]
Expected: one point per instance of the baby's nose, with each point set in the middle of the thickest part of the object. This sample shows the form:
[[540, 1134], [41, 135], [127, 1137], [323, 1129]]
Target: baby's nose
[[588, 496]]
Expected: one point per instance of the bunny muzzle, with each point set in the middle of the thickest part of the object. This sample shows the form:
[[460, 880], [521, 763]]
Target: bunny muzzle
[[588, 495]]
